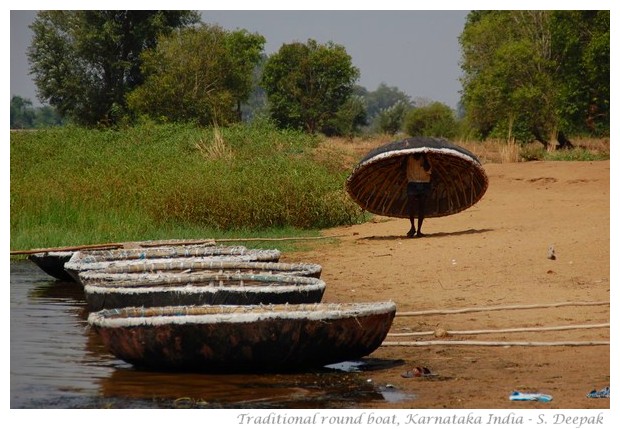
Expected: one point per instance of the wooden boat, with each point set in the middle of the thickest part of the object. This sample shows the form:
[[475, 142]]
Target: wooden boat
[[52, 262], [174, 266], [238, 338], [161, 290], [102, 259]]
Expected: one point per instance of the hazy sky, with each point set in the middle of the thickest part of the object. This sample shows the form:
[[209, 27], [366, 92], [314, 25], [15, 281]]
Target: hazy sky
[[416, 51]]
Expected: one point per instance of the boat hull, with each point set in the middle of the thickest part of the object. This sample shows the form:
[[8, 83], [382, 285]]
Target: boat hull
[[170, 268], [53, 264], [101, 260], [244, 338], [161, 290]]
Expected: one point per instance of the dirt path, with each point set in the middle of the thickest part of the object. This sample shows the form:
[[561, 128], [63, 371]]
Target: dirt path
[[493, 254]]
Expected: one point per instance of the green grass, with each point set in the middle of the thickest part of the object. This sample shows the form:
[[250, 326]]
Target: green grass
[[577, 154], [538, 153], [74, 186]]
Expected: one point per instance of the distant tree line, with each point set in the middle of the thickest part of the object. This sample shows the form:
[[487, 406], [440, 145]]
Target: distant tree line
[[106, 68], [527, 75], [25, 116]]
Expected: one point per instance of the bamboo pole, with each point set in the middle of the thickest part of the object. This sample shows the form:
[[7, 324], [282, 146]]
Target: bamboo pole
[[508, 307], [494, 343], [322, 237], [106, 246], [508, 330]]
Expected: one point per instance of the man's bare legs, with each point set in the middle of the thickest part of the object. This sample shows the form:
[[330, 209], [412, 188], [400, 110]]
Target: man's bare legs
[[420, 199]]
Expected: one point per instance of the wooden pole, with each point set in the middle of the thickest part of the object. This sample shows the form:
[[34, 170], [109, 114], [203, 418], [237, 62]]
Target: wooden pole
[[68, 248], [493, 343], [504, 331], [507, 307], [105, 246]]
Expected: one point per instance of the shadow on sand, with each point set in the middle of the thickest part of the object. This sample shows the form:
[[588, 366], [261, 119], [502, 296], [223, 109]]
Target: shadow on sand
[[433, 235]]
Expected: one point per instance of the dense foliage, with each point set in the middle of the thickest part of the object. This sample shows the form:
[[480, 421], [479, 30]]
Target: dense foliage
[[72, 185], [308, 83], [198, 75], [383, 98], [390, 119], [527, 75], [85, 62], [25, 116], [433, 120], [536, 74]]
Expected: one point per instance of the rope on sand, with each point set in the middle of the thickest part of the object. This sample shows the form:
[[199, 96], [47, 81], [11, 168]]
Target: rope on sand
[[495, 343], [508, 307], [509, 330]]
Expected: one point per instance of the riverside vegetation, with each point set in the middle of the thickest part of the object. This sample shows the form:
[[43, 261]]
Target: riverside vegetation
[[72, 185]]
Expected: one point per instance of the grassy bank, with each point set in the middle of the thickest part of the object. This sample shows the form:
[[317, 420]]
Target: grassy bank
[[73, 186], [76, 186]]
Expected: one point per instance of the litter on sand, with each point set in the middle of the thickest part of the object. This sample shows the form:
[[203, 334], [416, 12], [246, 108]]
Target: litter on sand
[[418, 371], [603, 393], [520, 396]]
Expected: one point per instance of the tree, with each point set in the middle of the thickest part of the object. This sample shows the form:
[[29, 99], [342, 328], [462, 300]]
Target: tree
[[24, 116], [580, 40], [506, 89], [348, 119], [200, 74], [390, 119], [307, 84], [22, 113], [384, 97], [525, 70], [245, 52], [85, 62], [47, 116], [433, 120], [256, 103]]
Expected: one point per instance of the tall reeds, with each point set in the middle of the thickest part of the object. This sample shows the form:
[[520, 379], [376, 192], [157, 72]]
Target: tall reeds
[[72, 185]]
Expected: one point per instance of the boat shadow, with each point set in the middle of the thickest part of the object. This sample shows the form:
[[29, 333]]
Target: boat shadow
[[338, 385], [470, 231]]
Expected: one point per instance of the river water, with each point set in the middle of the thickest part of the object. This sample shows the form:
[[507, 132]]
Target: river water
[[58, 362]]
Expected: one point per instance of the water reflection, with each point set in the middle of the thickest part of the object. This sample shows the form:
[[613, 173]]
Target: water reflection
[[307, 390], [58, 362], [48, 363]]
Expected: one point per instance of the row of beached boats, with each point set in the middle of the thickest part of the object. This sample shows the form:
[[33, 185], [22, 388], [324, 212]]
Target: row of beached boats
[[208, 307]]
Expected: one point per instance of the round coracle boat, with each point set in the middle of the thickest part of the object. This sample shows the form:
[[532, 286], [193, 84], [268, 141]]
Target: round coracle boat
[[378, 183], [160, 290], [53, 262], [238, 338], [175, 266], [103, 259]]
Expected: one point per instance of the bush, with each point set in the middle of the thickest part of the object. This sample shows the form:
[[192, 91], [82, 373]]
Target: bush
[[390, 120], [434, 120]]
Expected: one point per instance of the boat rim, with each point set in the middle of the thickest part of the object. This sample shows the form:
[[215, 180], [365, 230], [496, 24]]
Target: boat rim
[[234, 314]]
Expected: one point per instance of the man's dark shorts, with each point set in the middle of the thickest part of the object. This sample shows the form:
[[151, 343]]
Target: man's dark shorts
[[416, 189]]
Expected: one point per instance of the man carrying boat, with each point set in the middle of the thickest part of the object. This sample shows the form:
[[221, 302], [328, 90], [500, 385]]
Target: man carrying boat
[[418, 170]]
